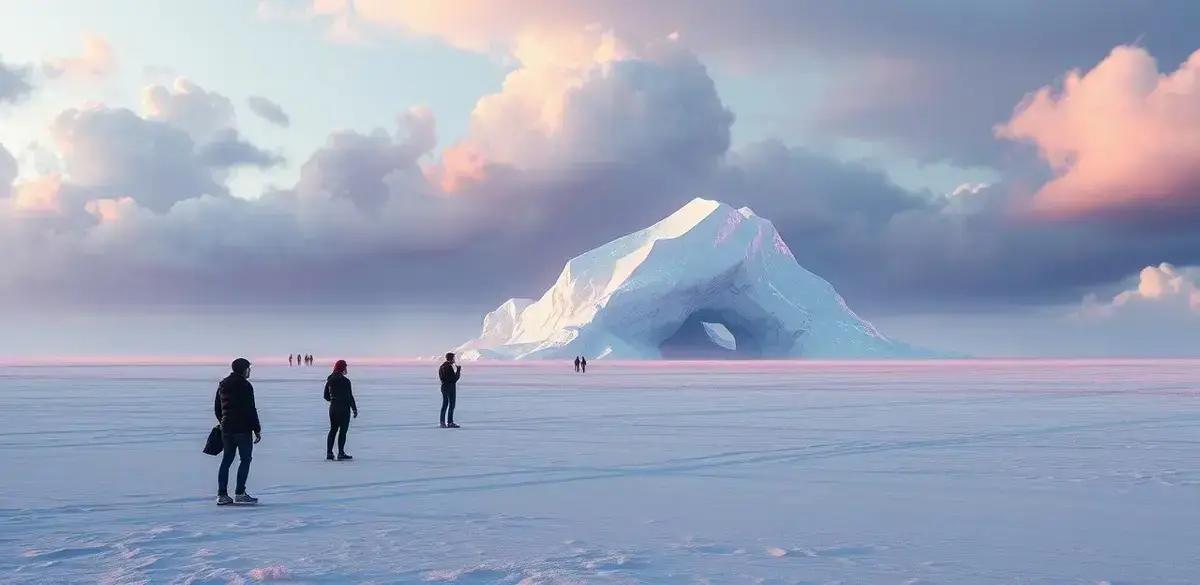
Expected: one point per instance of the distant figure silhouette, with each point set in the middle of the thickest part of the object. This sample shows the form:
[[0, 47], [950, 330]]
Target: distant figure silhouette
[[448, 374], [583, 364], [576, 363], [290, 360], [309, 359], [235, 410], [341, 403]]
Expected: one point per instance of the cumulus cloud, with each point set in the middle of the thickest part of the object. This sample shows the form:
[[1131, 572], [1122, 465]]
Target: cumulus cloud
[[1120, 137], [369, 169], [95, 62], [152, 160], [185, 105], [1161, 288], [591, 100], [113, 152], [268, 110], [14, 82], [1157, 314]]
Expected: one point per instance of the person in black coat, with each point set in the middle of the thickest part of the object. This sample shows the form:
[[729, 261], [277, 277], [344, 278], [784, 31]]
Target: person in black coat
[[449, 375], [236, 412], [341, 403]]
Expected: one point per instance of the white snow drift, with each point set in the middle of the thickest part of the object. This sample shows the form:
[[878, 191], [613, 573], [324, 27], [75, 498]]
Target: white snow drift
[[707, 281]]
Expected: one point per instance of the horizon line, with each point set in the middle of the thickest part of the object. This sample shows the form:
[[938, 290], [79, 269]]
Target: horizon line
[[208, 360]]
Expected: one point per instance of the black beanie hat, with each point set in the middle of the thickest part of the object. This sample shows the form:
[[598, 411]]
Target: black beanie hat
[[240, 366]]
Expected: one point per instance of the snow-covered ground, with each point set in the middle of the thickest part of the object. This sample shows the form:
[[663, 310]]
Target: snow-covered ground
[[938, 472]]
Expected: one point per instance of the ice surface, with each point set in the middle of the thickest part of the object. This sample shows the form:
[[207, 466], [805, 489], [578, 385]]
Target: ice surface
[[957, 472], [707, 262]]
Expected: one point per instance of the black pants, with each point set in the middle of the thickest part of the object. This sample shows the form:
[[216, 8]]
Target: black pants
[[447, 417], [339, 420], [243, 445]]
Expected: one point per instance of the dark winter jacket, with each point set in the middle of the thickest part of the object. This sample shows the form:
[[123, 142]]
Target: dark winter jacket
[[338, 393], [449, 375], [234, 405]]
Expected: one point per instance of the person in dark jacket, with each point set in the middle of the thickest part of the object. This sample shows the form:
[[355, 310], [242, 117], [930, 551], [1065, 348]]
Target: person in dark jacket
[[583, 364], [238, 416], [576, 363], [341, 403], [449, 375]]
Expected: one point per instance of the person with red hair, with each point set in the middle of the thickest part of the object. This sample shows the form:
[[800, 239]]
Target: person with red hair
[[341, 403]]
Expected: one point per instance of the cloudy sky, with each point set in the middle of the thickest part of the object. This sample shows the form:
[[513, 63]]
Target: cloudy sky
[[368, 177]]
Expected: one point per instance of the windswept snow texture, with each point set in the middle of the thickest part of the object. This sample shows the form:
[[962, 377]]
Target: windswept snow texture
[[657, 293], [951, 472]]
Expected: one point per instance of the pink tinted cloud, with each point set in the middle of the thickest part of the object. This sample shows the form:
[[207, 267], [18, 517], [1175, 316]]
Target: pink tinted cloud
[[1120, 137], [41, 195], [95, 62]]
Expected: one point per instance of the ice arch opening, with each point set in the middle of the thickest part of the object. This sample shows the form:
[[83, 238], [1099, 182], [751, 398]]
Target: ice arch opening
[[700, 337]]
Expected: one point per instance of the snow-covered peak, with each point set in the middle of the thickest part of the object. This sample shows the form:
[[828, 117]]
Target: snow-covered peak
[[498, 325], [696, 211]]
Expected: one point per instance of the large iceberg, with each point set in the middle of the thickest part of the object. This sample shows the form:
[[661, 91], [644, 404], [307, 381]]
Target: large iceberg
[[709, 281]]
